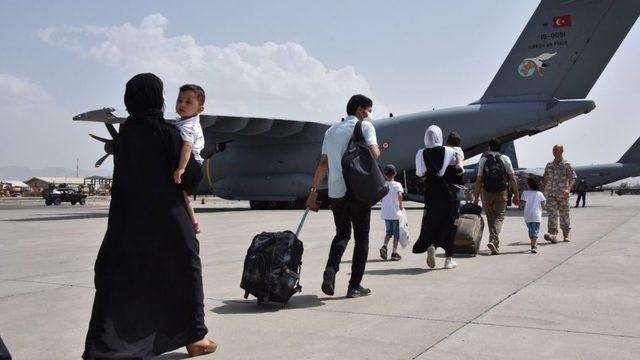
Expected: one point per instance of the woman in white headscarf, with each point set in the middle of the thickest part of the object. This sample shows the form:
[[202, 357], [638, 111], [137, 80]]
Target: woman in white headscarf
[[439, 166]]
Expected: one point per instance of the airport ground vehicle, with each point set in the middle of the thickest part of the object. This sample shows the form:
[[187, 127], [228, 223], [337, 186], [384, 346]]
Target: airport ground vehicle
[[57, 196]]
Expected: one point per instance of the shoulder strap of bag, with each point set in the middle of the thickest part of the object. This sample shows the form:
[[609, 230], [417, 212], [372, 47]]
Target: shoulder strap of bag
[[358, 135], [425, 156]]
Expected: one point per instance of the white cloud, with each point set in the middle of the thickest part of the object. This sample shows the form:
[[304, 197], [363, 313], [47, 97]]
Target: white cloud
[[37, 132], [280, 80]]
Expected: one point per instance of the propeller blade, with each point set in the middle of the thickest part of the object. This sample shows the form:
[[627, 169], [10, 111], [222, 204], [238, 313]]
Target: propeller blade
[[112, 131], [99, 138], [101, 160]]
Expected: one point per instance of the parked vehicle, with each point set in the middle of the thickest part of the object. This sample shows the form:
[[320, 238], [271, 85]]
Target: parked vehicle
[[57, 196]]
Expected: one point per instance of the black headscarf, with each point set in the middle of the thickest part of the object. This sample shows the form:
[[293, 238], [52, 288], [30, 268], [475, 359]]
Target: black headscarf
[[144, 97]]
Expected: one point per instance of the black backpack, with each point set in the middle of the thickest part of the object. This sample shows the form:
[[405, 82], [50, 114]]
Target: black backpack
[[272, 267], [361, 172], [494, 175]]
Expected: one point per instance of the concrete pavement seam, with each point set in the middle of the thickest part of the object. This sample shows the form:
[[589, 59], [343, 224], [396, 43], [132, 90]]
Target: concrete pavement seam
[[558, 330], [48, 274], [530, 282], [60, 286]]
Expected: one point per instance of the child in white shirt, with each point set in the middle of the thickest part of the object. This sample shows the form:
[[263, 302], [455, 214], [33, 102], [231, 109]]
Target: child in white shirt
[[189, 105], [453, 141], [533, 201], [390, 213]]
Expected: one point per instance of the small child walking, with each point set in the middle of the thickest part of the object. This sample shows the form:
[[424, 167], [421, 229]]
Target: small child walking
[[189, 105], [533, 201], [391, 212]]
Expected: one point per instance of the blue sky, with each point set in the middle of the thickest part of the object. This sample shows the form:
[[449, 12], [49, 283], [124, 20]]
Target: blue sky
[[291, 59]]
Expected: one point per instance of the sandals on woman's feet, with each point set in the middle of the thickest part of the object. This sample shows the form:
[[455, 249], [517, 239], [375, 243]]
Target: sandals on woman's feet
[[196, 350]]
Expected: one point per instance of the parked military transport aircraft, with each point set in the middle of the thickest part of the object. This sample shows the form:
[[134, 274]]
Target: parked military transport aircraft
[[543, 82], [602, 174]]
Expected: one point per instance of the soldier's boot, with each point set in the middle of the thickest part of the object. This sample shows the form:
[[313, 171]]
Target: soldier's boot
[[565, 234], [552, 238]]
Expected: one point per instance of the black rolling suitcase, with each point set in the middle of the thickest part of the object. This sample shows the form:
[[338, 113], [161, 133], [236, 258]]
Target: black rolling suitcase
[[272, 266]]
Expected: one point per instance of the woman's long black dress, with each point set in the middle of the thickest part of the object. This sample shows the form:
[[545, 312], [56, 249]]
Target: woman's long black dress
[[440, 212], [148, 279]]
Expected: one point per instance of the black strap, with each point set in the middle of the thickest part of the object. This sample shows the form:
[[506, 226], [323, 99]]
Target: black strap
[[358, 135], [425, 156]]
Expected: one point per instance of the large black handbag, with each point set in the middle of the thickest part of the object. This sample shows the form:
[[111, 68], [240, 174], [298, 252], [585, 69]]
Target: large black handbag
[[361, 172]]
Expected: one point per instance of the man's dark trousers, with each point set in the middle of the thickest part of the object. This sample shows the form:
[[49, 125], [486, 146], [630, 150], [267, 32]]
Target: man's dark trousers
[[348, 212], [581, 195]]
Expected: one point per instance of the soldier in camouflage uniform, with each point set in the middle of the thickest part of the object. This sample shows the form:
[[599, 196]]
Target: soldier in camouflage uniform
[[559, 179]]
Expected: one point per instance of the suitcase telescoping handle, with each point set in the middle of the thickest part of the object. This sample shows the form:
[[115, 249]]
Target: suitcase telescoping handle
[[304, 217]]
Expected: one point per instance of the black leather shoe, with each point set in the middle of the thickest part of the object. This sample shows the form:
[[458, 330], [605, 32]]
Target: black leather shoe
[[329, 281], [358, 292]]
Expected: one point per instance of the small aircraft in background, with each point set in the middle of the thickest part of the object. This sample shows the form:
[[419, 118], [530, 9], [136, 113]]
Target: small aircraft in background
[[602, 174]]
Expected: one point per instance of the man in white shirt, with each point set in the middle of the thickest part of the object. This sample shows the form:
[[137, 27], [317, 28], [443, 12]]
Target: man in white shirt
[[346, 210], [495, 173]]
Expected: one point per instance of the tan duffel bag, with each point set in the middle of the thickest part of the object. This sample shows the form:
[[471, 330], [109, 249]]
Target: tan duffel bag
[[468, 234]]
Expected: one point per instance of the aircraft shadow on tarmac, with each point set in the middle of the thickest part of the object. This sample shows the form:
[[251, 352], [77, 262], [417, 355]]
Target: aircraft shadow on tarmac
[[76, 216], [251, 306]]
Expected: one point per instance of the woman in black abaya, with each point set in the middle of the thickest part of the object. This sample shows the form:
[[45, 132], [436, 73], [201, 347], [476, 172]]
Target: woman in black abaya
[[148, 278], [439, 165]]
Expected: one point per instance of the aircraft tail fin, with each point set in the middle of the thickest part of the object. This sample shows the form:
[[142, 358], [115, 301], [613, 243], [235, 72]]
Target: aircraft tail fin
[[563, 49], [509, 149], [632, 155]]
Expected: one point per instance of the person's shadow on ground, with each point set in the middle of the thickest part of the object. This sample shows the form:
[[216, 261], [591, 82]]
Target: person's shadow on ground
[[406, 271], [252, 307], [527, 243]]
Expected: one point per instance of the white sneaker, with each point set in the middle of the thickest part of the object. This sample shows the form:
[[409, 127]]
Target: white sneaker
[[449, 263], [431, 256]]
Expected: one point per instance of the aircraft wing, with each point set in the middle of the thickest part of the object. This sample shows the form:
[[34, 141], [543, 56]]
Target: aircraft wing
[[530, 172], [221, 127], [104, 115]]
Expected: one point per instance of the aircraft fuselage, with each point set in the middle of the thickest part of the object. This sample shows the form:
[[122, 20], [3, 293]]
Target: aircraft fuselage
[[281, 169]]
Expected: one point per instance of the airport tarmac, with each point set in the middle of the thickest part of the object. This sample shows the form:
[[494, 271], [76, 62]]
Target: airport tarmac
[[576, 300]]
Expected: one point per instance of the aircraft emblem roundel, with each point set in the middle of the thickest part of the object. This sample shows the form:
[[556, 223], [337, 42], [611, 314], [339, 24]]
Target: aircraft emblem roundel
[[527, 68]]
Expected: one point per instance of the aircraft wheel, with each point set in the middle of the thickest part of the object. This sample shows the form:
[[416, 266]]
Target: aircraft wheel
[[48, 202], [301, 204], [73, 203], [257, 205], [57, 202], [83, 201], [274, 205]]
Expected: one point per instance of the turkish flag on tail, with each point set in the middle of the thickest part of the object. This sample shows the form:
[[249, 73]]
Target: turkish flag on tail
[[562, 21]]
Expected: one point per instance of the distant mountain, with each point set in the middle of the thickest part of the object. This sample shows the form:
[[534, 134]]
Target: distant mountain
[[24, 173]]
